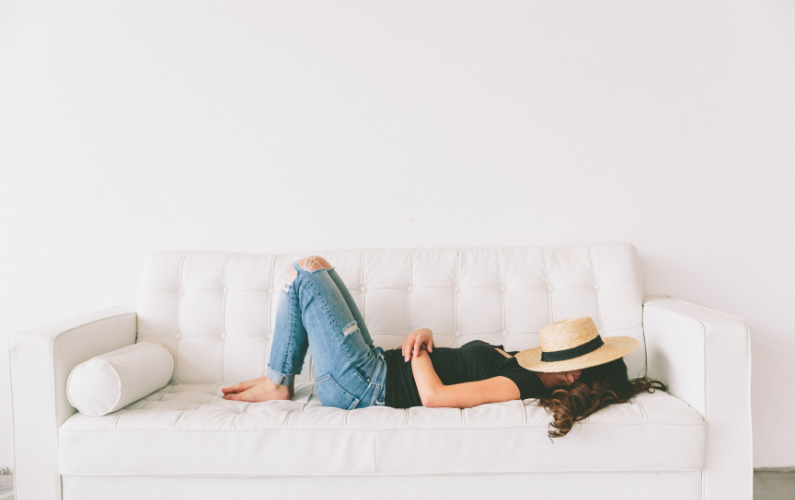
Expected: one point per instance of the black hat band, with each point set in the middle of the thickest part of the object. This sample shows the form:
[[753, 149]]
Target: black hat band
[[574, 352]]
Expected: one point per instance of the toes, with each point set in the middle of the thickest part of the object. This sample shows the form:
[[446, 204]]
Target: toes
[[242, 386], [231, 388], [240, 396]]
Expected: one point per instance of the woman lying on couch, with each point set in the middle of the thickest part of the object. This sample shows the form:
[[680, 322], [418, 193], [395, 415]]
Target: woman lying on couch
[[574, 372]]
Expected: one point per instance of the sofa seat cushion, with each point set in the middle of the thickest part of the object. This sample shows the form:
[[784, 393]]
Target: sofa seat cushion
[[189, 429]]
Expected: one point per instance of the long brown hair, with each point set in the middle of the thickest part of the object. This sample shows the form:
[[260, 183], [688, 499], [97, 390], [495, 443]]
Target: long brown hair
[[597, 387]]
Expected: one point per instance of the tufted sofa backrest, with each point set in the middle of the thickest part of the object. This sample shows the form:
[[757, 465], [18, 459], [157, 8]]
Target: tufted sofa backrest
[[215, 312]]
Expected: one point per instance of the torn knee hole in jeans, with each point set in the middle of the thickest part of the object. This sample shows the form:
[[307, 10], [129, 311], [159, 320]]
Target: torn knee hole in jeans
[[350, 329], [289, 277], [311, 264]]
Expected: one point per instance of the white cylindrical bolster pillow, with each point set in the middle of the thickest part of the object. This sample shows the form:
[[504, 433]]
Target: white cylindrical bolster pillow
[[113, 380]]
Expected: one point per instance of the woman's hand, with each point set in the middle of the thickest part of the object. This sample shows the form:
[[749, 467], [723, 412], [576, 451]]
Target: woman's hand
[[416, 341]]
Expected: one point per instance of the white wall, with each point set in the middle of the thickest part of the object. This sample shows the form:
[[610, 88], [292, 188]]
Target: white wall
[[128, 127]]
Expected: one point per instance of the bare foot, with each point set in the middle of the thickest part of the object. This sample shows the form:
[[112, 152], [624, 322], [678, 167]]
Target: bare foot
[[242, 386], [263, 391]]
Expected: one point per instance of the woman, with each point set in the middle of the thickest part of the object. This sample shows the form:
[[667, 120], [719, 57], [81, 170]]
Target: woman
[[574, 373]]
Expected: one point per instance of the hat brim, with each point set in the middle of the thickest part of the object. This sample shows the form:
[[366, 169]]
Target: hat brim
[[612, 349]]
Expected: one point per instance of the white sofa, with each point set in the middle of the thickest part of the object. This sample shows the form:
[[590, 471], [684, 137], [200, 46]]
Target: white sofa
[[215, 313]]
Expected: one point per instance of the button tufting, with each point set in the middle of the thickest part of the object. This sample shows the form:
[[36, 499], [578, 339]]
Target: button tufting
[[596, 287], [505, 332], [551, 288], [223, 335], [181, 290], [503, 288], [457, 289], [226, 289], [364, 289], [177, 336], [411, 288], [457, 334], [270, 290]]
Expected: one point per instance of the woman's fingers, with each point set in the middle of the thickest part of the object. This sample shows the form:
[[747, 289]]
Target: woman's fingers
[[414, 343], [407, 346], [422, 344]]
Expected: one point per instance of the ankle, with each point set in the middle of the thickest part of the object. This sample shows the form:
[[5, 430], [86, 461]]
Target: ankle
[[274, 387]]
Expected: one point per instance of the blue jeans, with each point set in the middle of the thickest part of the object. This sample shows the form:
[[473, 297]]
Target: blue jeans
[[317, 310]]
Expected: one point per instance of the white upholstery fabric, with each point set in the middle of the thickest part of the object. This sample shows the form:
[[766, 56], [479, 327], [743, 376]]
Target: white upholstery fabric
[[41, 361], [705, 357], [113, 380], [215, 312], [189, 430], [558, 486]]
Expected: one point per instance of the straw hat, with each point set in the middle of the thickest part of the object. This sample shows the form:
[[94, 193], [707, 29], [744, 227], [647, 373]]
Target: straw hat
[[573, 344]]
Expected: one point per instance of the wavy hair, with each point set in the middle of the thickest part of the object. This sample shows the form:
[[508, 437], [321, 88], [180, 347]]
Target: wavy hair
[[598, 387]]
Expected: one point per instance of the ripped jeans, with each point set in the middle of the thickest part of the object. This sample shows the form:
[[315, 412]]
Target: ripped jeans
[[317, 310]]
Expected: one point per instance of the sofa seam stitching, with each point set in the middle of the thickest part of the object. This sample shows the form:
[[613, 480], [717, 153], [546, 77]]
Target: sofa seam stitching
[[223, 313], [394, 429], [271, 315], [455, 299], [549, 284], [411, 288], [502, 295], [361, 280], [179, 314], [593, 277]]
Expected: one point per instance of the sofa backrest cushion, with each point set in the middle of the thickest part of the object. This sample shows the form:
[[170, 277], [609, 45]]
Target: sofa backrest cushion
[[215, 311]]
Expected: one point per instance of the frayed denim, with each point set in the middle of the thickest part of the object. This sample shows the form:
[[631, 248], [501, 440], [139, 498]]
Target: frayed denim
[[317, 310]]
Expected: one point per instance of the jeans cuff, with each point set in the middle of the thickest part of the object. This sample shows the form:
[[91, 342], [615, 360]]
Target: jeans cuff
[[279, 378]]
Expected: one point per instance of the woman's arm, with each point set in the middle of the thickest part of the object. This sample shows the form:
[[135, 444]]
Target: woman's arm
[[435, 394]]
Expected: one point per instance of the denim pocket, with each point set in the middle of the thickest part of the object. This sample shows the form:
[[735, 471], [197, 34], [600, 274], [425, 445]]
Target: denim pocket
[[331, 394]]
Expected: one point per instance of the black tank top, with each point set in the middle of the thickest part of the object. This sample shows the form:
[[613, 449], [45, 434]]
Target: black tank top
[[473, 361]]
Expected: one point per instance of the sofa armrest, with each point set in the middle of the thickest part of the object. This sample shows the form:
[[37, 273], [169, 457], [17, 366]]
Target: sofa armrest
[[40, 362], [705, 358]]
